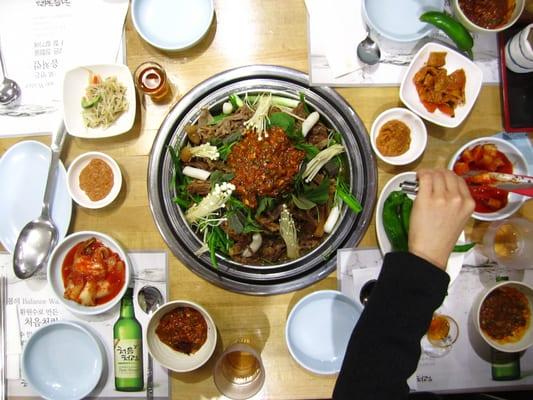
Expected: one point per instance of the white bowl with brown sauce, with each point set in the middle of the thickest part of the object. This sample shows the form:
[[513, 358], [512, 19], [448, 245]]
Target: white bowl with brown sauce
[[181, 335], [89, 272], [94, 180], [502, 316], [398, 136]]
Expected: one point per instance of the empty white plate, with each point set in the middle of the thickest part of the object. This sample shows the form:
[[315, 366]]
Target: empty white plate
[[63, 360], [172, 24], [23, 173], [319, 328]]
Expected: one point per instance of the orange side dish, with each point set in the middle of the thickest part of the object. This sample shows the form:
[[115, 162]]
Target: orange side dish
[[264, 167], [92, 273], [394, 138], [96, 179], [438, 90]]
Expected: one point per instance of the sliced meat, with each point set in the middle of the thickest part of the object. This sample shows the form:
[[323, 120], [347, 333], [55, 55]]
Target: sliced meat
[[201, 188]]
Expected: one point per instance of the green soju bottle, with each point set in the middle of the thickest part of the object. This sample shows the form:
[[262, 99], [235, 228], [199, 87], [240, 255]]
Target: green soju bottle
[[127, 346]]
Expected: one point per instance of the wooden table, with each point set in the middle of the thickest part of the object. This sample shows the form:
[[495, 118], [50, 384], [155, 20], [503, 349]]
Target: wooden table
[[244, 32]]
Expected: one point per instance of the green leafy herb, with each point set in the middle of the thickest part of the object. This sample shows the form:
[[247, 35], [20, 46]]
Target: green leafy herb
[[283, 120], [264, 204], [250, 225], [318, 194], [217, 240], [235, 101], [302, 202], [219, 177], [216, 119], [343, 192], [302, 100], [310, 150], [234, 221], [227, 143]]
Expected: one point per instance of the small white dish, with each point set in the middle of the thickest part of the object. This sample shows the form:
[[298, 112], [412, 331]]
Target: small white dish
[[63, 361], [513, 347], [73, 180], [23, 173], [520, 167], [418, 135], [318, 330], [472, 27], [455, 262], [454, 61], [172, 25], [74, 86], [398, 20], [55, 265], [170, 358]]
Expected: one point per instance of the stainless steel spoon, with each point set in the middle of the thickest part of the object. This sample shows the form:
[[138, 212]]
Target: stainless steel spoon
[[9, 89], [149, 298], [39, 237], [368, 51]]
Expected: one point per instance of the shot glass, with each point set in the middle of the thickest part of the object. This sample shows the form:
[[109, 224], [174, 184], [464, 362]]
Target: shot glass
[[442, 333], [239, 372], [510, 243], [151, 79]]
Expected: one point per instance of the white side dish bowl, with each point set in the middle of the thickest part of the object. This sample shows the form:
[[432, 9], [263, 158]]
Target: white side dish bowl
[[55, 277], [418, 135], [74, 86], [520, 167], [75, 354], [455, 262], [454, 61], [173, 359], [73, 180]]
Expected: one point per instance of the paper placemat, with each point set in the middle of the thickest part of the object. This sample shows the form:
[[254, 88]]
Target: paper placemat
[[37, 306], [40, 39], [467, 367], [335, 28]]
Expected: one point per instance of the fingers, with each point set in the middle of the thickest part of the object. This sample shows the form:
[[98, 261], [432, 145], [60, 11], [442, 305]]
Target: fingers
[[425, 183]]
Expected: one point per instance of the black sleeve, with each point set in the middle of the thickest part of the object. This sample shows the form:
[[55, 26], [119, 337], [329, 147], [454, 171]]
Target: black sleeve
[[384, 348]]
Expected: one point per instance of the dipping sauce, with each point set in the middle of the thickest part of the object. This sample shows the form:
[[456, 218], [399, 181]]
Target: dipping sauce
[[505, 315], [438, 329], [485, 157], [152, 80], [265, 167], [184, 329], [96, 179], [489, 14], [93, 274], [394, 138]]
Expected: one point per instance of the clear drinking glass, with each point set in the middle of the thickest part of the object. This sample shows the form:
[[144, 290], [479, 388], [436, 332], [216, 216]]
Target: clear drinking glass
[[239, 373], [510, 243], [443, 332]]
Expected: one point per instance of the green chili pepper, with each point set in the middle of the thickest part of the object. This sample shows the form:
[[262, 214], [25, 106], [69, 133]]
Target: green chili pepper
[[463, 248], [451, 27], [406, 207], [392, 222]]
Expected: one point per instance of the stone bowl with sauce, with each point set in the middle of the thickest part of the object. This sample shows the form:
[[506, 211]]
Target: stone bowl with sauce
[[94, 180], [494, 320], [169, 339], [387, 136], [476, 21]]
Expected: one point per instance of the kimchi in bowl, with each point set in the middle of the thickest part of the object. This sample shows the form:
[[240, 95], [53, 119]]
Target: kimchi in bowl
[[502, 316], [89, 272]]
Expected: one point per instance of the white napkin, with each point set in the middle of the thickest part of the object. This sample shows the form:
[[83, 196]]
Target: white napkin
[[341, 29], [13, 345]]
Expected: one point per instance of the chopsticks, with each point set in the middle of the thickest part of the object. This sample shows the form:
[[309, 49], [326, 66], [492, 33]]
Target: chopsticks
[[3, 298]]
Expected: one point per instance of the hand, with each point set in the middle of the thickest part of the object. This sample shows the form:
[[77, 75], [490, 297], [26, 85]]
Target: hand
[[440, 212]]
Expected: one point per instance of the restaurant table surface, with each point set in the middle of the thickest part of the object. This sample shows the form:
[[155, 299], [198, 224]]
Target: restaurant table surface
[[243, 33]]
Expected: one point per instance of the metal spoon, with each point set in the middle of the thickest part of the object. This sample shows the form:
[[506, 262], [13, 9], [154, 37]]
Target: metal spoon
[[368, 51], [39, 237], [366, 291], [9, 89], [149, 298]]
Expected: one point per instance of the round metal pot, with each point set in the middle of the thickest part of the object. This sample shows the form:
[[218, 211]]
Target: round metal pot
[[261, 279]]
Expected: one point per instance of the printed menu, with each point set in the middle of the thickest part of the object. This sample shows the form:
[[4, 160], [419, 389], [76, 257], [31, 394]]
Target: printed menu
[[37, 306]]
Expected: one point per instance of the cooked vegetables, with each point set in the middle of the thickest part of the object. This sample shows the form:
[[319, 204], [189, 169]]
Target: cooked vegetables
[[104, 101], [287, 230], [203, 151], [196, 173], [320, 160], [309, 122], [212, 202]]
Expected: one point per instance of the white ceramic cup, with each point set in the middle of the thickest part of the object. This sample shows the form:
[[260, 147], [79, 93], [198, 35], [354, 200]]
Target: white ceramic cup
[[519, 51]]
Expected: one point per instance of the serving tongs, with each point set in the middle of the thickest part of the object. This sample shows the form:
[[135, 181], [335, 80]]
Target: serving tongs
[[520, 184]]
